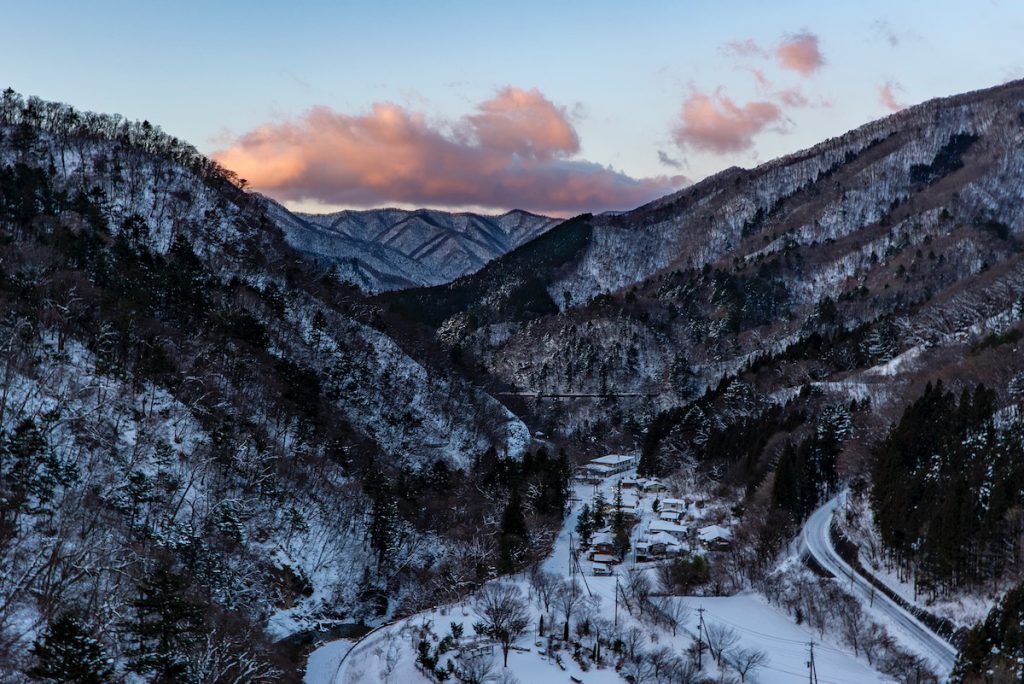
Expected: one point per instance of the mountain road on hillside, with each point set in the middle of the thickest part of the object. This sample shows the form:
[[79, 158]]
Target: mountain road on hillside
[[816, 541]]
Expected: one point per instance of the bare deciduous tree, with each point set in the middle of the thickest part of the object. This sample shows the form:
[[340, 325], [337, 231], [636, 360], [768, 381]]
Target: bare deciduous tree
[[638, 586], [720, 639], [633, 638], [638, 670], [502, 609], [671, 612], [474, 668], [745, 660], [567, 597], [544, 585], [661, 660]]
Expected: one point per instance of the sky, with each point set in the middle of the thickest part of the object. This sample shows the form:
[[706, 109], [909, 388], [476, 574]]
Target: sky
[[554, 107]]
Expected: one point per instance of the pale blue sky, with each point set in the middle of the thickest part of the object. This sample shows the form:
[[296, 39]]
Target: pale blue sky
[[208, 71]]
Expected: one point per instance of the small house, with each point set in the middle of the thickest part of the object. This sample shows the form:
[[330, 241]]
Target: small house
[[677, 505], [654, 486], [715, 537], [670, 516], [671, 528], [602, 543]]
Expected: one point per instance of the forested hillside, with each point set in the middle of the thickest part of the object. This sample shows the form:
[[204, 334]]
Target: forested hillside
[[205, 445], [846, 316]]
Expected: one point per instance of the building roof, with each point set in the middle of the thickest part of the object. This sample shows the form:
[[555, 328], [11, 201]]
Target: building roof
[[714, 533], [662, 538], [604, 558], [602, 538], [613, 459], [666, 526], [672, 502]]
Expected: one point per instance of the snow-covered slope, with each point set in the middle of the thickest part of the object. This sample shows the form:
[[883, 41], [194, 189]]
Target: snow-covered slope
[[184, 399], [393, 249], [911, 224]]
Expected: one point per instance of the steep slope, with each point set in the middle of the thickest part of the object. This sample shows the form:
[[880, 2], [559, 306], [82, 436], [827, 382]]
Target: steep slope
[[904, 219], [198, 430], [393, 249], [764, 330]]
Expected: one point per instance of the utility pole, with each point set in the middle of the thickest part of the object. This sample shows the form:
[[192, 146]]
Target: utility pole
[[700, 638], [572, 566], [812, 671], [616, 601]]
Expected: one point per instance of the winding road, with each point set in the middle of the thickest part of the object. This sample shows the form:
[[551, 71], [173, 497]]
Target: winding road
[[816, 541]]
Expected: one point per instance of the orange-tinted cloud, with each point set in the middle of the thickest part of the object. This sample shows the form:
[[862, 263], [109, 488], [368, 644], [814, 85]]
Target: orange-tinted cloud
[[514, 151], [714, 123], [887, 96], [800, 53], [526, 123]]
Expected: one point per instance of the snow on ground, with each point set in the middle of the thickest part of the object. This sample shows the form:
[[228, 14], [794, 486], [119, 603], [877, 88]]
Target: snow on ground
[[965, 609], [389, 654], [897, 364], [323, 662]]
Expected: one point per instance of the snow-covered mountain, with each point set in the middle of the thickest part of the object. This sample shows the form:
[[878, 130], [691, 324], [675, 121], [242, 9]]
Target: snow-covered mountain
[[190, 410], [393, 249], [190, 413], [914, 220]]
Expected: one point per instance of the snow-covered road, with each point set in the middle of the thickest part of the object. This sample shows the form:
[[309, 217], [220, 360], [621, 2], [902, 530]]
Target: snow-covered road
[[815, 539]]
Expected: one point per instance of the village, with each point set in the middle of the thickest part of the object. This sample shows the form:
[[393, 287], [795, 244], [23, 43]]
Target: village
[[596, 609], [660, 523]]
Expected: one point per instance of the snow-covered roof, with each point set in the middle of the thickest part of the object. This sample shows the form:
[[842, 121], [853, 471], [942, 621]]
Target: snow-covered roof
[[613, 460], [666, 526], [604, 558], [673, 502], [662, 538], [598, 468], [602, 538], [713, 533]]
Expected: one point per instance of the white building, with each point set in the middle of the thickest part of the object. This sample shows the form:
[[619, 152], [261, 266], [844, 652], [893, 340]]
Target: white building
[[677, 505], [613, 464], [675, 529]]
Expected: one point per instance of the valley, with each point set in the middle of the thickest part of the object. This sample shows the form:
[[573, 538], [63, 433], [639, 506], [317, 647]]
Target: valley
[[229, 431]]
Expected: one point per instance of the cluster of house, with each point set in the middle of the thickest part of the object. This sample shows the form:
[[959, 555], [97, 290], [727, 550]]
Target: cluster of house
[[665, 535]]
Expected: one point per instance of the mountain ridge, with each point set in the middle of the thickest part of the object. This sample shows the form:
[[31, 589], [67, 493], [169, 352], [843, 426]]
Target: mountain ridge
[[389, 249]]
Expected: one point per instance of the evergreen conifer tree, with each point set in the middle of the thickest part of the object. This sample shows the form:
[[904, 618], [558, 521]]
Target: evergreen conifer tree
[[67, 654]]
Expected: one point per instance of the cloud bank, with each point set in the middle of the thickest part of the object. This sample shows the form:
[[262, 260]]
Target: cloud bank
[[515, 151]]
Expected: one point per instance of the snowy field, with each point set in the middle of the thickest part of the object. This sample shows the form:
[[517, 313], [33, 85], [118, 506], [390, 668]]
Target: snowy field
[[390, 653]]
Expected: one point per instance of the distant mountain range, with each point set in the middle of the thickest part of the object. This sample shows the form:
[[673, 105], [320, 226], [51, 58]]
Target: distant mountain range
[[392, 249]]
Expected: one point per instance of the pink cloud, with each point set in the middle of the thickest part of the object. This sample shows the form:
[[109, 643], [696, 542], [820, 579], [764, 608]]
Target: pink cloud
[[714, 123], [514, 151], [887, 96], [800, 53], [526, 123]]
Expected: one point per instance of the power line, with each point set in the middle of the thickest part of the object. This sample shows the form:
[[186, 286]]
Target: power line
[[777, 638]]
